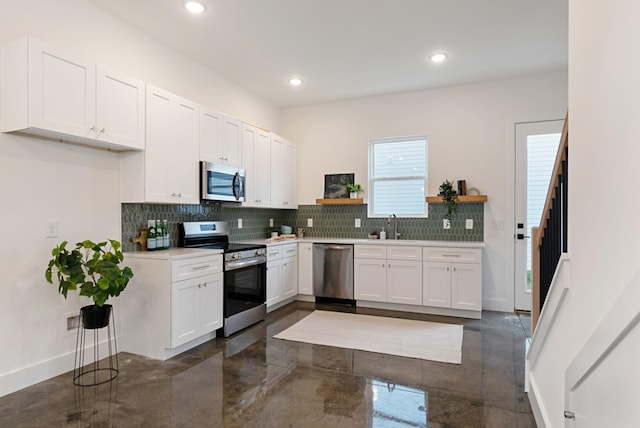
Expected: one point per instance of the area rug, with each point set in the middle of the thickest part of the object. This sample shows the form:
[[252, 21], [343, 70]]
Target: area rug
[[406, 338]]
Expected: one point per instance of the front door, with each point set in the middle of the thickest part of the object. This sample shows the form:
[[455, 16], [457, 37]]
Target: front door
[[536, 148]]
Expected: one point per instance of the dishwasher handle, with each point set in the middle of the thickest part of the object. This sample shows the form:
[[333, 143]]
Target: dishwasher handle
[[337, 247]]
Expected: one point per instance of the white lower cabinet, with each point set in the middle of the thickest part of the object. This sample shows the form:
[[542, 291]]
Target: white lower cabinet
[[391, 274], [305, 268], [453, 278], [196, 308], [174, 302], [282, 273]]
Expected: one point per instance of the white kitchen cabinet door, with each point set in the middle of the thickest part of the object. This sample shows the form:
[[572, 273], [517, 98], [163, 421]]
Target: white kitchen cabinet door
[[305, 268], [370, 279], [278, 175], [210, 134], [255, 161], [183, 161], [289, 277], [291, 174], [211, 303], [437, 284], [120, 109], [466, 286], [404, 282], [184, 311], [274, 287], [62, 91], [283, 173], [230, 148], [170, 158]]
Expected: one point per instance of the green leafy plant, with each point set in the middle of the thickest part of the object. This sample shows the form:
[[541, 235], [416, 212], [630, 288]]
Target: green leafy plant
[[94, 268], [450, 199], [353, 187]]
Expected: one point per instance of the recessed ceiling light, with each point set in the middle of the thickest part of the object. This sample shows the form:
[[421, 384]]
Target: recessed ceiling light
[[439, 57], [194, 7], [295, 81]]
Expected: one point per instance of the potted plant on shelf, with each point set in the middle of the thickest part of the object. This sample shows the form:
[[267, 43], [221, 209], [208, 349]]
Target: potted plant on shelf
[[449, 198], [353, 190], [94, 269]]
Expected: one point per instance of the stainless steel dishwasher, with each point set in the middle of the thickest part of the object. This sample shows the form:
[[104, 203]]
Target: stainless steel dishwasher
[[333, 271]]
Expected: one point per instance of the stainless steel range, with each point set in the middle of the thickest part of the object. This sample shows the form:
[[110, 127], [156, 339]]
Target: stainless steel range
[[245, 272]]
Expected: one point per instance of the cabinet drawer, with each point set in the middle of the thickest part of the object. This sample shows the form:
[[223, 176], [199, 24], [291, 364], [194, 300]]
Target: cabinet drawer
[[274, 253], [398, 252], [290, 250], [195, 267], [462, 255], [370, 251]]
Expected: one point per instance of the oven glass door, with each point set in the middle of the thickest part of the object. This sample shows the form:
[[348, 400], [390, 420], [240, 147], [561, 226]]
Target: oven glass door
[[244, 288]]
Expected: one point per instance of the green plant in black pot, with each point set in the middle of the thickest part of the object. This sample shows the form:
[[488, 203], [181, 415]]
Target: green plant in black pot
[[449, 198], [94, 269]]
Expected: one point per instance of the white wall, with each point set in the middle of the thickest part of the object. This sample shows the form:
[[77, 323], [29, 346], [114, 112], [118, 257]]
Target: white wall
[[471, 136], [604, 104], [79, 187]]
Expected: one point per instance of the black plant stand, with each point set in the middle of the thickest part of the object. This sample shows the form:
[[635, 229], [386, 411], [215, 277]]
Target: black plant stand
[[96, 371]]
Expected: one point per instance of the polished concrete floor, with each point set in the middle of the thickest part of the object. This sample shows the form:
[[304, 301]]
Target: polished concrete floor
[[253, 380]]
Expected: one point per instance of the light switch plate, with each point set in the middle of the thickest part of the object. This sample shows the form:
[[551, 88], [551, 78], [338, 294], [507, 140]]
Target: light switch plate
[[309, 222], [358, 223], [270, 222], [469, 224], [51, 228], [239, 223]]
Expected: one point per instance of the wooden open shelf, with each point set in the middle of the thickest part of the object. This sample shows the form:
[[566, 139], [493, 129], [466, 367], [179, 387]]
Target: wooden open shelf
[[461, 198], [340, 201]]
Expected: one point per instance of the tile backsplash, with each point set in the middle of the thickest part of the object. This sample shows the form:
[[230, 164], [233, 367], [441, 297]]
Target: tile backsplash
[[328, 221]]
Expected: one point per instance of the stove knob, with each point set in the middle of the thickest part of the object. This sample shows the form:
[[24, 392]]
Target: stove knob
[[235, 256], [260, 252]]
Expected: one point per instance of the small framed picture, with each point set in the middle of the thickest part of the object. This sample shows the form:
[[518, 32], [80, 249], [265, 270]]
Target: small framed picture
[[335, 185]]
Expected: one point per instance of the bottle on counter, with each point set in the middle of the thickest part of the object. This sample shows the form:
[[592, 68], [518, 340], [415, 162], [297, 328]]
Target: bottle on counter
[[151, 236], [165, 228], [383, 234], [159, 235]]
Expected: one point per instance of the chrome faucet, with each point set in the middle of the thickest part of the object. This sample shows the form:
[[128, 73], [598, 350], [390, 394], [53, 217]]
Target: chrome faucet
[[395, 235]]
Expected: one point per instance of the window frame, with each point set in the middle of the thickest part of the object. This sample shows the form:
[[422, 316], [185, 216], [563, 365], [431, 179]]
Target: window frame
[[371, 179]]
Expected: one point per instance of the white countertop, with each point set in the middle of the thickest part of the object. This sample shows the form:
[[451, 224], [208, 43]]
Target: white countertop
[[173, 253], [402, 242]]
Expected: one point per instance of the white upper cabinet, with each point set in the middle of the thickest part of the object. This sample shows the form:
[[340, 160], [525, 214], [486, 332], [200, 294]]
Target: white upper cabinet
[[167, 171], [48, 92], [220, 138], [256, 146], [283, 173]]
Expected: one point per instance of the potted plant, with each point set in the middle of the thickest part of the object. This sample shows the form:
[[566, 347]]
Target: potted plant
[[449, 198], [94, 269], [353, 190]]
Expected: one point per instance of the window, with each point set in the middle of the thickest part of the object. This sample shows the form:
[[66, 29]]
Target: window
[[397, 176]]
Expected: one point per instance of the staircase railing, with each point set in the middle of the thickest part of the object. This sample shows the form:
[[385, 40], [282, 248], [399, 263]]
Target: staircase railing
[[549, 239]]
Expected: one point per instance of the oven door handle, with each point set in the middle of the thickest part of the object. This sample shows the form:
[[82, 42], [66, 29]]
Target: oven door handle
[[239, 264]]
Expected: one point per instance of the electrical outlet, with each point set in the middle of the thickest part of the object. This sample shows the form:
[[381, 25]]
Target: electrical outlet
[[270, 222], [469, 224], [446, 223], [309, 222], [70, 323], [51, 228], [239, 223], [358, 223]]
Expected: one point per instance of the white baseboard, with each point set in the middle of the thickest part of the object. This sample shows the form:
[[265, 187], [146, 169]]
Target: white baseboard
[[27, 376]]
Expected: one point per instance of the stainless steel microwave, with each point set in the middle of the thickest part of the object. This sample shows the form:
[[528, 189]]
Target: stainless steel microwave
[[221, 182]]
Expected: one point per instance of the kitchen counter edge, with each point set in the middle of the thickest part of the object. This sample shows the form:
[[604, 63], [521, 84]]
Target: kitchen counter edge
[[399, 242], [173, 253]]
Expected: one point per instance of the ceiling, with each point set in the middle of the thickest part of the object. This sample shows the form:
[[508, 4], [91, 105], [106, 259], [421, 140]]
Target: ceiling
[[346, 49]]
